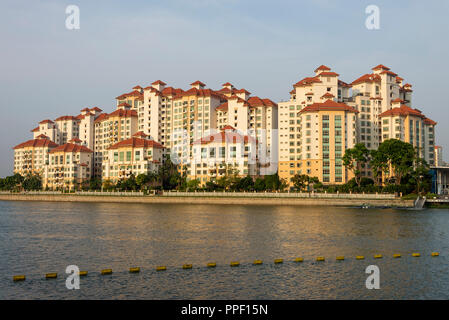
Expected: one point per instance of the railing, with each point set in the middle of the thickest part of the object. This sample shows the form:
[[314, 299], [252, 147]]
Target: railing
[[281, 195]]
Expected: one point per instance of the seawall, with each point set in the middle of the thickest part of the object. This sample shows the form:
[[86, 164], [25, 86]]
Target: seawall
[[211, 200]]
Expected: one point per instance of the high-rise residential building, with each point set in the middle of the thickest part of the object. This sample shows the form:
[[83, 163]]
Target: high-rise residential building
[[66, 128], [32, 156], [70, 166], [410, 125], [133, 99], [110, 129], [136, 155], [222, 153]]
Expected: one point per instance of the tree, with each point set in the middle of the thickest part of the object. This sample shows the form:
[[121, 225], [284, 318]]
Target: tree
[[168, 174], [355, 159], [259, 184], [142, 180], [303, 181], [193, 184], [398, 155], [246, 184], [95, 184], [32, 182]]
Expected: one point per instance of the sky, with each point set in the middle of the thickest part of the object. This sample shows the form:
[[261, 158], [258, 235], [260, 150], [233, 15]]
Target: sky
[[48, 71]]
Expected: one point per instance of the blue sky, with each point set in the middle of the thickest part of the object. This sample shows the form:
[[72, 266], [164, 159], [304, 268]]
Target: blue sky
[[263, 46]]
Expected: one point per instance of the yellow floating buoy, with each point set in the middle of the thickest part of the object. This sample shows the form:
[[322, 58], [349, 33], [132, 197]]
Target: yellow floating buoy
[[320, 259], [106, 271], [258, 262], [416, 254], [19, 278], [51, 275], [435, 254], [377, 256], [235, 264], [340, 258], [360, 257], [134, 269], [277, 261], [299, 259], [396, 255], [211, 265], [187, 266], [161, 268], [83, 273]]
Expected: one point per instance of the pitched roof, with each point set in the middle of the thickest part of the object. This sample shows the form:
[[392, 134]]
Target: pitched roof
[[140, 134], [258, 102], [159, 82], [198, 82], [328, 95], [343, 84], [71, 147], [367, 78], [46, 121], [222, 107], [134, 93], [307, 81], [328, 74], [226, 84], [429, 122], [37, 143], [122, 113], [35, 129], [403, 110], [135, 142], [322, 67], [328, 105], [65, 118], [380, 66]]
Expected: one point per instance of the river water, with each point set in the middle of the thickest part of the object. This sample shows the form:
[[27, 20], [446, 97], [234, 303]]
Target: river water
[[42, 237]]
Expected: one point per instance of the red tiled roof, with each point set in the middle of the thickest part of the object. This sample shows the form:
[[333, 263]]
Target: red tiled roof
[[159, 82], [134, 93], [226, 84], [328, 95], [367, 78], [135, 142], [397, 100], [222, 107], [242, 91], [403, 110], [201, 93], [328, 105], [35, 129], [46, 121], [380, 66], [307, 81], [71, 147], [429, 121], [65, 118], [198, 82], [323, 67], [76, 139], [37, 143], [343, 84], [257, 102], [96, 109], [140, 134], [389, 73], [170, 91], [137, 87], [124, 104]]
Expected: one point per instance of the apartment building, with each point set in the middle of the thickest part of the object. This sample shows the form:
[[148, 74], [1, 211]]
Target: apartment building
[[70, 166], [439, 157], [412, 126], [32, 156], [133, 99], [66, 128], [136, 155], [110, 129], [218, 154]]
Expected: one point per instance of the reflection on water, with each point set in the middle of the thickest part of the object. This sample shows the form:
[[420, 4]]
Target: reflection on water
[[40, 237]]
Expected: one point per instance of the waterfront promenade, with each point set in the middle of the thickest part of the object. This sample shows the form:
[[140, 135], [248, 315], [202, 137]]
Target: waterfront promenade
[[220, 198]]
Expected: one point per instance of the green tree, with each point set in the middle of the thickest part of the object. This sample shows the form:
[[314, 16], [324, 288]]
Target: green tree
[[193, 184], [355, 159], [259, 184], [95, 184], [400, 157]]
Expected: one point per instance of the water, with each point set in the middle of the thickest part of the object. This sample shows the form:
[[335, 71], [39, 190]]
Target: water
[[42, 237]]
